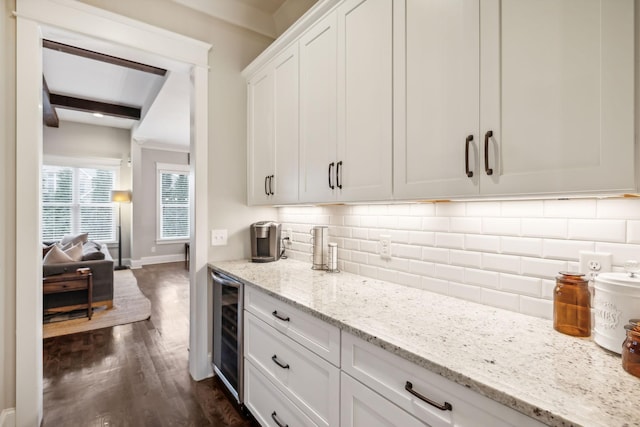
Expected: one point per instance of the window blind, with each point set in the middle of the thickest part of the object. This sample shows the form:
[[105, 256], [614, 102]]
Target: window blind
[[77, 200], [174, 205]]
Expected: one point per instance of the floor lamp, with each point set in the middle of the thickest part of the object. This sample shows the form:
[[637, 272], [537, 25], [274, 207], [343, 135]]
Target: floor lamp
[[120, 197]]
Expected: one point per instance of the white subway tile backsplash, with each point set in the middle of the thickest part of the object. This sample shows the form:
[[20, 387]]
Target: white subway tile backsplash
[[422, 268], [505, 254], [449, 272], [545, 227], [422, 238], [505, 300], [474, 242], [435, 224], [633, 231], [406, 251], [504, 263], [536, 307], [565, 249], [466, 225], [450, 240], [521, 246], [480, 209], [619, 208], [620, 252], [521, 285], [451, 209], [465, 258], [522, 209], [543, 268], [466, 292], [435, 255], [576, 208], [603, 230], [501, 226], [435, 285], [484, 278]]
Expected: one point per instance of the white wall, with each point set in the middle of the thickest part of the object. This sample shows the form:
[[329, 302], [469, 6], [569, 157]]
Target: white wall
[[289, 12], [145, 216], [233, 49], [89, 141], [7, 199], [503, 254]]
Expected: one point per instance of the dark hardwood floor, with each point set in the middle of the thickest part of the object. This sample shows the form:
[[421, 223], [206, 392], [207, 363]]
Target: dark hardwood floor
[[135, 374]]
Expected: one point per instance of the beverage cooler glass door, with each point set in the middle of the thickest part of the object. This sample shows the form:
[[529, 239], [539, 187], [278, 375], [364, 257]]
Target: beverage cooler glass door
[[227, 332]]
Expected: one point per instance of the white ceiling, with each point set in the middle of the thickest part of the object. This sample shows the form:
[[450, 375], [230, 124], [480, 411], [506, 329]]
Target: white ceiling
[[164, 100]]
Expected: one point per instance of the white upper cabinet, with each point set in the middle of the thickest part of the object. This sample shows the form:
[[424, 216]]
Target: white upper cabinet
[[260, 136], [318, 111], [273, 131], [346, 104], [543, 88], [436, 98]]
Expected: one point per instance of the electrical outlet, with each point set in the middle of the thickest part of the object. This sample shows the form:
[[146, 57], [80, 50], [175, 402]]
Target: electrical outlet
[[594, 263], [287, 237], [219, 237], [385, 246]]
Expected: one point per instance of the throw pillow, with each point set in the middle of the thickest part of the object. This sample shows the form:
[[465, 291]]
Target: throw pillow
[[91, 251], [46, 249], [56, 256], [75, 252], [74, 238]]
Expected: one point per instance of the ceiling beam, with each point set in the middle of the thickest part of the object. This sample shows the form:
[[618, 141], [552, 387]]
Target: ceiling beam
[[49, 115], [97, 56], [71, 103]]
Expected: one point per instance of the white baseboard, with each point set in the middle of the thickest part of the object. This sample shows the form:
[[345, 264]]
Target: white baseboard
[[8, 417], [160, 259]]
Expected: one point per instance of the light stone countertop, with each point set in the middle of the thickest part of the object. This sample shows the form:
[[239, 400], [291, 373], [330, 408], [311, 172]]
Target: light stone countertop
[[517, 360]]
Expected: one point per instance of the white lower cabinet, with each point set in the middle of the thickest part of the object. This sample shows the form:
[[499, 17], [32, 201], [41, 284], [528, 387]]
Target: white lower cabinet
[[268, 405], [435, 401], [362, 407]]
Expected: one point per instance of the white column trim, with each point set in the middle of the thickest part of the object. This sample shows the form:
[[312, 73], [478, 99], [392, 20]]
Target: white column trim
[[8, 417], [33, 17]]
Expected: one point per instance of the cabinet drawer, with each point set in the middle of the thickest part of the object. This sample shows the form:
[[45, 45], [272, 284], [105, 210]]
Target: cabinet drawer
[[314, 334], [362, 407], [309, 381], [267, 404], [388, 375]]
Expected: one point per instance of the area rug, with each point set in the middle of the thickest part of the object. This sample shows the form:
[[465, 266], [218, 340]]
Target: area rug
[[129, 305]]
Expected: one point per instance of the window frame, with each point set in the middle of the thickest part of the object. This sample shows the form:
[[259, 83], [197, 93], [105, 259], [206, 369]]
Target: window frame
[[75, 164], [175, 168]]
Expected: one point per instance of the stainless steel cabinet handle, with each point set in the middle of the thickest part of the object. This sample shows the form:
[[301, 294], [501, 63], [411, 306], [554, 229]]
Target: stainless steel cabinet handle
[[466, 156], [277, 362], [339, 174], [274, 417], [446, 407], [487, 169]]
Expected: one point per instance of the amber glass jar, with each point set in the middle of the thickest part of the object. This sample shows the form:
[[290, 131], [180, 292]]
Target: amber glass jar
[[572, 305], [631, 349]]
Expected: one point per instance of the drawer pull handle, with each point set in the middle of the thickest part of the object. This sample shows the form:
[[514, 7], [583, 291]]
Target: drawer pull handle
[[466, 156], [487, 169], [284, 319], [277, 362], [274, 416], [446, 407]]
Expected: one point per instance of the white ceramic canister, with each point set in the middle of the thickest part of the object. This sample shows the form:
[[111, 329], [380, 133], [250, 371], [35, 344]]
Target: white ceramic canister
[[616, 299]]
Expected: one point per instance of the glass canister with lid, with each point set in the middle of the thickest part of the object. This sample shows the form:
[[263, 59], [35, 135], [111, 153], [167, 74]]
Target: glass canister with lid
[[572, 305]]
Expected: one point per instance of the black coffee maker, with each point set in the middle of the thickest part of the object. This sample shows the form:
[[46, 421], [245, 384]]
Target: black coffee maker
[[265, 241]]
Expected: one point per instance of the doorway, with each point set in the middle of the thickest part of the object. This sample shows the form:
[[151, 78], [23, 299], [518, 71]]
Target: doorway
[[34, 19]]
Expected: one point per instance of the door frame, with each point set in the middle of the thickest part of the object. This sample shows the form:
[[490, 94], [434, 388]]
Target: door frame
[[32, 17]]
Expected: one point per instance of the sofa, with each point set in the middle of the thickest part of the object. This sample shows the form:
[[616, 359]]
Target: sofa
[[94, 256]]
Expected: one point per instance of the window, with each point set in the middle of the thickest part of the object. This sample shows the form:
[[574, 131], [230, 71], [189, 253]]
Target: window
[[173, 201], [77, 200]]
